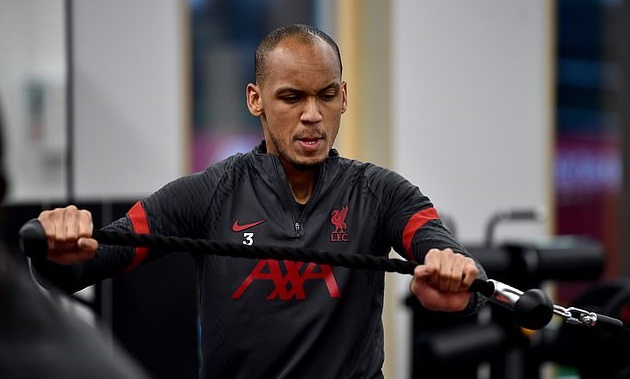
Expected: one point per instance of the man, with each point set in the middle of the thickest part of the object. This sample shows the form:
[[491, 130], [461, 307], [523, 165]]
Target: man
[[271, 319]]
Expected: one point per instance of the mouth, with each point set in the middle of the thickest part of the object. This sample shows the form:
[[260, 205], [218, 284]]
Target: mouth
[[310, 144]]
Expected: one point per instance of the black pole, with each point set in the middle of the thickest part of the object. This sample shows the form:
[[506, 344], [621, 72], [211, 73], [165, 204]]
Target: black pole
[[624, 59], [69, 38]]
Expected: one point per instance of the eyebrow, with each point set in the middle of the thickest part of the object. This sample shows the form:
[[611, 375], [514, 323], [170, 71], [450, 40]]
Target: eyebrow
[[335, 86]]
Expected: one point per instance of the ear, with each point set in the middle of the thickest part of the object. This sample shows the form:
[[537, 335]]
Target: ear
[[344, 90], [254, 100]]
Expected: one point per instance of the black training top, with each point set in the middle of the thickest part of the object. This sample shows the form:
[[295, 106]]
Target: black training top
[[282, 319]]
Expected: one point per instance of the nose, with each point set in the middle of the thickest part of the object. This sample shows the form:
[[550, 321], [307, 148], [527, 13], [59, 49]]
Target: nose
[[311, 113]]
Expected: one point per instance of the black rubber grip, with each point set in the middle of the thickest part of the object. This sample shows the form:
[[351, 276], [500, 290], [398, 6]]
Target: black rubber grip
[[486, 288], [32, 240], [608, 324]]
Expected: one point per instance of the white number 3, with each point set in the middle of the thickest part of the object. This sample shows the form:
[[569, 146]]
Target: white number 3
[[249, 239]]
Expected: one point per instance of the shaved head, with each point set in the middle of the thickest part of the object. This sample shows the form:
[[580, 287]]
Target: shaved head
[[304, 33]]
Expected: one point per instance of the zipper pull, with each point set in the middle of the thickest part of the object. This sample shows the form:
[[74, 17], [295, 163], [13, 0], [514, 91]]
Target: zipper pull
[[297, 229]]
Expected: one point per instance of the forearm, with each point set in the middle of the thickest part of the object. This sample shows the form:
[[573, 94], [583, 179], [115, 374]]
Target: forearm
[[108, 262]]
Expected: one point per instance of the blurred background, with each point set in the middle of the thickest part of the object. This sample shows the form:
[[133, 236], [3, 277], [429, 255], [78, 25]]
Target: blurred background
[[512, 116]]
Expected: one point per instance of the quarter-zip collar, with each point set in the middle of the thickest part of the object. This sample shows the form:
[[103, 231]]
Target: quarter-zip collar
[[270, 168]]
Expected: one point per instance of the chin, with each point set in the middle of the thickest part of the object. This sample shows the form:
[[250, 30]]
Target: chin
[[306, 167], [307, 164]]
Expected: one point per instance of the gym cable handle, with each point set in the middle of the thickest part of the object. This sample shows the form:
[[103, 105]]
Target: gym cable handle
[[533, 309]]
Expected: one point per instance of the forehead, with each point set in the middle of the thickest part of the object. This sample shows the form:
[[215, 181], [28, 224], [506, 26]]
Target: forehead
[[302, 63]]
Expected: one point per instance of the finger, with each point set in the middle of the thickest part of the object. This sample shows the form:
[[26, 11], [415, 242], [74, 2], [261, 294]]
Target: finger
[[464, 272], [87, 244], [470, 273], [420, 285], [70, 225], [443, 260], [58, 234], [457, 274], [83, 250], [433, 262], [448, 278], [45, 219], [424, 272], [85, 224], [434, 256]]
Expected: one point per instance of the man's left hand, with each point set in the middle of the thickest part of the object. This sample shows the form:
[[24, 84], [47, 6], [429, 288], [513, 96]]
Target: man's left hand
[[442, 282]]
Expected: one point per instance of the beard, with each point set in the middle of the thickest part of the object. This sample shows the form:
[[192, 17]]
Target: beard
[[305, 167], [299, 166]]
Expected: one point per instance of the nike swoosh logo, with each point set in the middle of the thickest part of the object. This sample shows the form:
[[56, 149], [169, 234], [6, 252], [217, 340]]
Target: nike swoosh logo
[[239, 228]]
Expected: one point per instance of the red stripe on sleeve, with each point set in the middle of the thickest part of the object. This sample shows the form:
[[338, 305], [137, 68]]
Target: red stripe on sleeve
[[140, 225], [415, 222]]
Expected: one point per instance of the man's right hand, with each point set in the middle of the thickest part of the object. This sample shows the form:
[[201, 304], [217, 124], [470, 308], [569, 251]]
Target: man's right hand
[[68, 232]]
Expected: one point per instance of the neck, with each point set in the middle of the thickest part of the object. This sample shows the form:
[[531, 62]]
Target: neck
[[302, 183]]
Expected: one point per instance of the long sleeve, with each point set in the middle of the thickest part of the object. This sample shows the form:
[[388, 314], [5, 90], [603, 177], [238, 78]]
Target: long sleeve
[[108, 261], [178, 208], [413, 223]]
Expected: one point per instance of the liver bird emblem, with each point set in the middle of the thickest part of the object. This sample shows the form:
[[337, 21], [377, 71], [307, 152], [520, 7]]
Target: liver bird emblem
[[339, 219]]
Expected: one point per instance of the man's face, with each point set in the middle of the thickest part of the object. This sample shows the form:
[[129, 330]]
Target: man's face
[[300, 102]]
